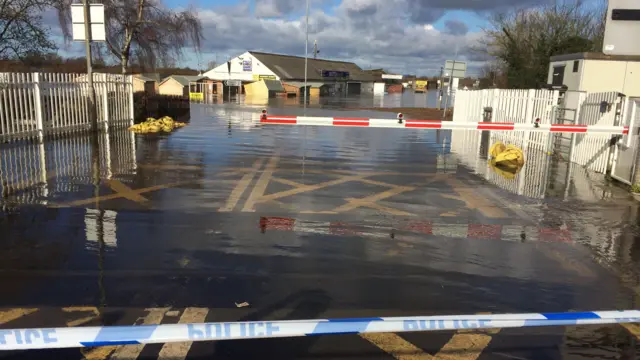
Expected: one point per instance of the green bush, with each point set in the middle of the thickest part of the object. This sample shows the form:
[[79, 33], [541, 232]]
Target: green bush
[[635, 188]]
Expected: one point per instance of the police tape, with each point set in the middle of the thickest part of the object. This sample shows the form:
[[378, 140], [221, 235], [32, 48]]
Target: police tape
[[41, 338], [439, 124]]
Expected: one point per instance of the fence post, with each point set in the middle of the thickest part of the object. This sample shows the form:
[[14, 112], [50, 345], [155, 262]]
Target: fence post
[[37, 96], [131, 104], [495, 100], [105, 101]]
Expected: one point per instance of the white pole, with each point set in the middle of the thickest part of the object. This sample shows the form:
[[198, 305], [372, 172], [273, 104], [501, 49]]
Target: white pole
[[453, 67], [306, 60]]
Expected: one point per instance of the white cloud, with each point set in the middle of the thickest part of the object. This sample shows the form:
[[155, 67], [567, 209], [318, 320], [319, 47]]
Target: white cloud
[[376, 33], [372, 33]]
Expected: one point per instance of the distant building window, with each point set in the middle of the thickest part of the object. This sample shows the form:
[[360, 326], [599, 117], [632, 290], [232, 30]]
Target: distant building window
[[558, 75], [575, 65]]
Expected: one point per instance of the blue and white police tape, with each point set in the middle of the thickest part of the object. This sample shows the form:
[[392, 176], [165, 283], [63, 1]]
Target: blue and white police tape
[[16, 339]]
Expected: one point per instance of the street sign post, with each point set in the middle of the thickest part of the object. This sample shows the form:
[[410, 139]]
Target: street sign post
[[456, 69]]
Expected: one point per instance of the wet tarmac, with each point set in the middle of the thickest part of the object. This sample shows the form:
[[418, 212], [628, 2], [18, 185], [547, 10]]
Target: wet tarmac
[[305, 222]]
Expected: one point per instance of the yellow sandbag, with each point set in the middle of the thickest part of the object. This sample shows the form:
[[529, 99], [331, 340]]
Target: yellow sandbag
[[151, 125], [510, 157], [496, 149], [508, 174], [507, 160]]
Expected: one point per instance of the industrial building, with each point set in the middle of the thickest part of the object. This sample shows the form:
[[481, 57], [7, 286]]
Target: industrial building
[[596, 72], [324, 77]]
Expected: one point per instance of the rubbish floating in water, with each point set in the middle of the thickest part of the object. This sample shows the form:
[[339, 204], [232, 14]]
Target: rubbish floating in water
[[241, 305], [506, 160], [151, 125]]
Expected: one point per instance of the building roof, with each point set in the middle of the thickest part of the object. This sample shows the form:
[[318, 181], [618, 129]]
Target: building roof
[[289, 67], [184, 80], [274, 85], [594, 56], [153, 76], [143, 78]]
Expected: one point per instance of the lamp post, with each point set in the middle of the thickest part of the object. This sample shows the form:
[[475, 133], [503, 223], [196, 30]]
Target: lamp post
[[306, 56], [93, 115]]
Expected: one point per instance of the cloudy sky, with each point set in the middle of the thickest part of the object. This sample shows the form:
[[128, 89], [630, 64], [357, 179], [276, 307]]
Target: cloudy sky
[[403, 36]]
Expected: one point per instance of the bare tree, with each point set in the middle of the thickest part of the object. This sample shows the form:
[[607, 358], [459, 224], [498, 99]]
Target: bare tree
[[144, 30], [21, 30], [523, 40], [211, 64]]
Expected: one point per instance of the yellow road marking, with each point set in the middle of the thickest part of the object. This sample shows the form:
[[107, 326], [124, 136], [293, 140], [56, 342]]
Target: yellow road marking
[[237, 192], [261, 184], [567, 263], [396, 346], [287, 182], [126, 192], [307, 188], [381, 208], [179, 350], [84, 320], [370, 200], [13, 314], [115, 196], [228, 173], [474, 201], [171, 167], [133, 351], [463, 345], [97, 353], [633, 329], [466, 344]]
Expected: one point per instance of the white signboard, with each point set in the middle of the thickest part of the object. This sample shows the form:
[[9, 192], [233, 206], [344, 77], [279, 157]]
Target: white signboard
[[233, 83], [623, 19], [391, 76], [96, 12], [459, 68]]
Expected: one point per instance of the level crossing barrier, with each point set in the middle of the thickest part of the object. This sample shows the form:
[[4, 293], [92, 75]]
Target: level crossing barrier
[[400, 123]]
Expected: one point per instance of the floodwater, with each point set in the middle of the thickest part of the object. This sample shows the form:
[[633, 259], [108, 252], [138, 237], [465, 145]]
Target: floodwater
[[310, 222]]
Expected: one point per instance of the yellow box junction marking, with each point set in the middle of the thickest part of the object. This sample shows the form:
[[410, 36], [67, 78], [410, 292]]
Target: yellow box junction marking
[[474, 201], [241, 187], [261, 184], [463, 345]]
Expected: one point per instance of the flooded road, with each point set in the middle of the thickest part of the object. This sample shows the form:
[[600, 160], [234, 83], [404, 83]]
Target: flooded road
[[310, 222]]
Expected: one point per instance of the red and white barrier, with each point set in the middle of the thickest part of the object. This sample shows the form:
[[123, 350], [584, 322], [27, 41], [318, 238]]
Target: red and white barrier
[[438, 124]]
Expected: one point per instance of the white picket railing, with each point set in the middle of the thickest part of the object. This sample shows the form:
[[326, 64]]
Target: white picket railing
[[593, 151], [35, 104]]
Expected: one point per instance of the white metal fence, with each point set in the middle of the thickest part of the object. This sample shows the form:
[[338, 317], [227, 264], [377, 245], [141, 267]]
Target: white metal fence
[[593, 151], [35, 104]]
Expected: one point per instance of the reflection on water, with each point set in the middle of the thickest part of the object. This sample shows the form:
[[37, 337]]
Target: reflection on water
[[543, 175], [230, 136], [408, 99], [33, 172]]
